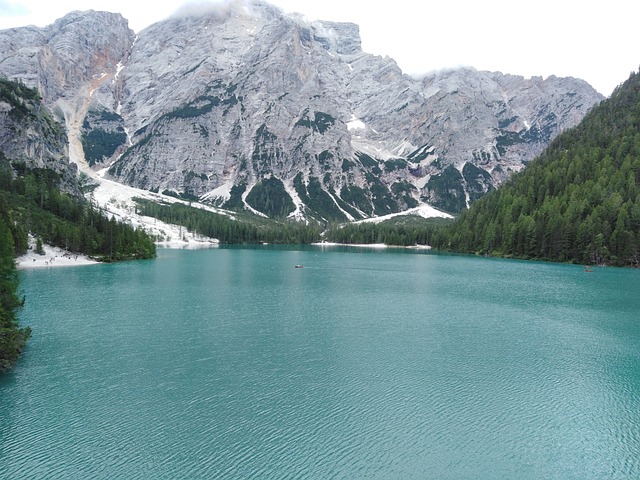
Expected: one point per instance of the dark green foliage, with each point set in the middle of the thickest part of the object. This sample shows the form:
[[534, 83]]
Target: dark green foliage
[[578, 202], [270, 197], [245, 229], [25, 105], [235, 198], [446, 192], [39, 246], [506, 140], [380, 198], [350, 209], [504, 123], [181, 195], [403, 191], [401, 231], [199, 106], [99, 144], [420, 154], [395, 164], [33, 204], [207, 102], [324, 158], [370, 163], [265, 150], [543, 132], [12, 337], [478, 181], [383, 202], [482, 158], [317, 199], [347, 165], [320, 123], [102, 116], [18, 96], [358, 197], [38, 207]]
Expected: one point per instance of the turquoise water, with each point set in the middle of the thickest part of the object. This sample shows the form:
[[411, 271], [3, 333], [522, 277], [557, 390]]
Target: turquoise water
[[230, 363]]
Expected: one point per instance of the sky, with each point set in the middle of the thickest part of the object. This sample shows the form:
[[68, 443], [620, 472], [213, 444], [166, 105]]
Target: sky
[[596, 41]]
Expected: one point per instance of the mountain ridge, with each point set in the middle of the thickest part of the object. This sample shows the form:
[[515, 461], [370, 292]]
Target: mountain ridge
[[211, 106], [577, 202]]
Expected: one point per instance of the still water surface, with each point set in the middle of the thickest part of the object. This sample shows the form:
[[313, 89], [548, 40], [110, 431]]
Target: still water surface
[[230, 363]]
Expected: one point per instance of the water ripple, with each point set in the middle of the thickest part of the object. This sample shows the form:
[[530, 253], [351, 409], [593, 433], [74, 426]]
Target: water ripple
[[404, 366]]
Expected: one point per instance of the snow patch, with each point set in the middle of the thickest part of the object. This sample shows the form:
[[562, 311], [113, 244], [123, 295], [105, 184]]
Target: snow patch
[[222, 192], [297, 214], [381, 150], [119, 68], [117, 200], [355, 124], [249, 207], [423, 210], [344, 212]]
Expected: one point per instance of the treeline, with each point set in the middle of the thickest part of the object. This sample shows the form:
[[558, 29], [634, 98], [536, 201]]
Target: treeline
[[227, 230], [31, 203], [578, 202], [12, 337], [17, 96], [419, 232], [37, 206]]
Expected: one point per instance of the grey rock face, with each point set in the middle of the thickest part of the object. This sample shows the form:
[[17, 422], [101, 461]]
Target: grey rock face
[[30, 137], [212, 104]]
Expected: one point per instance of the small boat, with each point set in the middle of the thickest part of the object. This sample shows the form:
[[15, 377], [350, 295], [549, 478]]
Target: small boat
[[298, 266], [587, 268]]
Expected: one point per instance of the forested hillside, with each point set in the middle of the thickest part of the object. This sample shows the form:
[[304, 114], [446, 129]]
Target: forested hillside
[[39, 196], [242, 229], [12, 337], [578, 202]]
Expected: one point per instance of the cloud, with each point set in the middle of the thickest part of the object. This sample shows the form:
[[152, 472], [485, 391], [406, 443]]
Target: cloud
[[220, 10], [13, 9]]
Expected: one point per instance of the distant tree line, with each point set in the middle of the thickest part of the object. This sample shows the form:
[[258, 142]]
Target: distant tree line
[[32, 203], [578, 202], [37, 206], [248, 229], [417, 232], [12, 337]]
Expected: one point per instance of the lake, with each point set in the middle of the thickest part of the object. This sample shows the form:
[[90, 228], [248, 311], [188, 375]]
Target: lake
[[378, 364]]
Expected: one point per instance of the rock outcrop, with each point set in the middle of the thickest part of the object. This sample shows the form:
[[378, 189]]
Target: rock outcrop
[[243, 106], [30, 138]]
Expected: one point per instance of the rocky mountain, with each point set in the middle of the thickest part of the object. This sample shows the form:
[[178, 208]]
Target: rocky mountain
[[30, 137], [243, 106], [579, 201]]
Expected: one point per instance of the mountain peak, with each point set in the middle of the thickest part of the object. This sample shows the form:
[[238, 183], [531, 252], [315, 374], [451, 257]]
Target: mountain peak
[[240, 104], [340, 37], [221, 11]]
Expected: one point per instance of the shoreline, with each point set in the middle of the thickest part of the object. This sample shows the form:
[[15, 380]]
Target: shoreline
[[53, 257], [370, 245]]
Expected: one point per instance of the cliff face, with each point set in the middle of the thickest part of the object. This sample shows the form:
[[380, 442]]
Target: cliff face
[[30, 137], [73, 64], [244, 106]]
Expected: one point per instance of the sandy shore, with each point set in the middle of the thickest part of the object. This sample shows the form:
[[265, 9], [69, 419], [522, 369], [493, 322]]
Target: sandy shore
[[53, 257], [58, 257]]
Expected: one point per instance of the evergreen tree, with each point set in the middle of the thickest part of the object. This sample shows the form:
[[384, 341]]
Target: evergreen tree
[[577, 202], [12, 337]]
